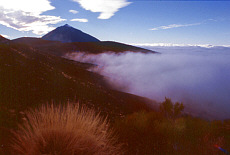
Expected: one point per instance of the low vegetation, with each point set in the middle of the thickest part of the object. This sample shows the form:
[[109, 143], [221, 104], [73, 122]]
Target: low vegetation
[[64, 130], [73, 130], [168, 131]]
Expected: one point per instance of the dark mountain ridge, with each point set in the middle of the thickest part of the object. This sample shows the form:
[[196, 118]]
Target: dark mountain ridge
[[68, 34], [3, 40], [61, 49]]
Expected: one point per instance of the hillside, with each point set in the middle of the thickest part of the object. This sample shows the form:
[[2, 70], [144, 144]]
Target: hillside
[[34, 72], [30, 77], [68, 34], [60, 49], [3, 40]]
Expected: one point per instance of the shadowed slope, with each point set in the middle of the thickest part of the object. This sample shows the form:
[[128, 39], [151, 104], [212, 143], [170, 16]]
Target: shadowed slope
[[30, 77], [61, 49], [3, 40]]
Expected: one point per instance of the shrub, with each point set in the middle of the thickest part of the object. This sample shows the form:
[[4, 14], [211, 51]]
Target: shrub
[[170, 132], [170, 109], [64, 130], [145, 133]]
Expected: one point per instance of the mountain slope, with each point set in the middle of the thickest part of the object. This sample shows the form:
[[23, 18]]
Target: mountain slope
[[67, 34], [61, 49], [30, 77], [3, 40]]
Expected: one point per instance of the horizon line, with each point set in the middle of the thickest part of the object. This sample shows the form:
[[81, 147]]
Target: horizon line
[[177, 45]]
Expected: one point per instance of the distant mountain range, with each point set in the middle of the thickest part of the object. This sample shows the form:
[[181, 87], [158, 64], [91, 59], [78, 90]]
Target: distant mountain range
[[68, 34]]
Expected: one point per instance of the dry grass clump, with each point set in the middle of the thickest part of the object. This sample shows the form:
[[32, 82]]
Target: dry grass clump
[[64, 130]]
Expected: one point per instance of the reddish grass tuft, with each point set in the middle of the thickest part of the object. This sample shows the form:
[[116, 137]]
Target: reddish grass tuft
[[64, 130]]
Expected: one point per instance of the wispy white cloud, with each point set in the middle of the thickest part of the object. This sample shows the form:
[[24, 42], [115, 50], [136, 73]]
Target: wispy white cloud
[[173, 26], [107, 8], [83, 20], [73, 11], [214, 20], [25, 15]]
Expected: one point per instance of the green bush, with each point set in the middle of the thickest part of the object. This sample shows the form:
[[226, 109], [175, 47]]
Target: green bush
[[169, 132], [171, 110]]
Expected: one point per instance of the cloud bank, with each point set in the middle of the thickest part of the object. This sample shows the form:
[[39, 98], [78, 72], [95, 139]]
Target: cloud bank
[[196, 76], [107, 8], [25, 15]]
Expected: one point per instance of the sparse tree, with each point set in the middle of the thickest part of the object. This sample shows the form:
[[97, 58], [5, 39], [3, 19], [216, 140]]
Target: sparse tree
[[178, 108], [171, 110]]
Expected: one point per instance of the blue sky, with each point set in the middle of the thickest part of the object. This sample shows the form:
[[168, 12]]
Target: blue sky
[[127, 21]]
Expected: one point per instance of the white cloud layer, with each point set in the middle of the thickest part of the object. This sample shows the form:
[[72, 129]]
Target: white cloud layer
[[173, 26], [83, 20], [73, 11], [107, 8], [196, 76], [25, 15]]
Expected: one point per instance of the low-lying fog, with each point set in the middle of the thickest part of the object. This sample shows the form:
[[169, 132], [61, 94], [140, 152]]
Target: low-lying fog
[[199, 77]]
